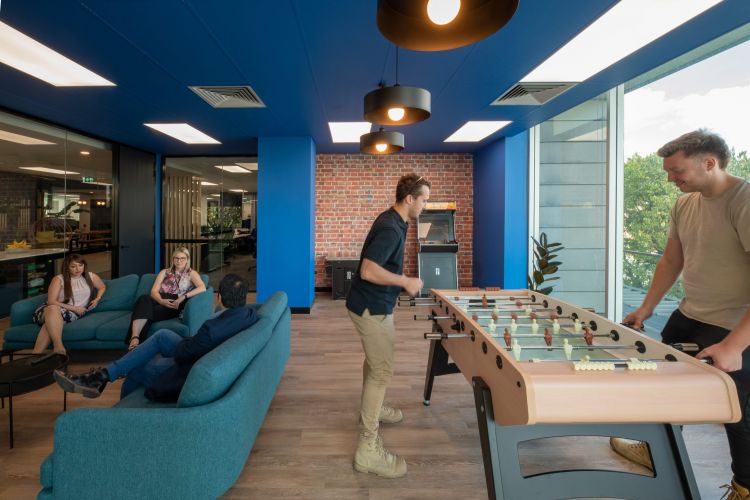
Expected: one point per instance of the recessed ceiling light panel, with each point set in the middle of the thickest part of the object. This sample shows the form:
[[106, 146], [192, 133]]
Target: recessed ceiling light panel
[[249, 166], [183, 132], [22, 139], [235, 169], [33, 58], [348, 131], [475, 131], [50, 170], [622, 30]]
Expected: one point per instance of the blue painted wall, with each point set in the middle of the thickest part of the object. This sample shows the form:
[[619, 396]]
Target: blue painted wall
[[516, 211], [501, 227], [157, 213], [488, 209], [286, 219]]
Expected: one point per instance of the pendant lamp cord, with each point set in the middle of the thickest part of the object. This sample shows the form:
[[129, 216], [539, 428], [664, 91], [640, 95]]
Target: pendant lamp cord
[[396, 65]]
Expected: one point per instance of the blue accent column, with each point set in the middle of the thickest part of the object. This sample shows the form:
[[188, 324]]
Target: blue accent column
[[501, 227], [157, 213], [286, 219], [516, 213]]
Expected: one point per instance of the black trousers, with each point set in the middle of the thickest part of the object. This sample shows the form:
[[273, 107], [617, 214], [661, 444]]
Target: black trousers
[[680, 328], [150, 310]]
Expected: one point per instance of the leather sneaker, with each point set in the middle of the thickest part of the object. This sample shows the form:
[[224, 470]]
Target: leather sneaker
[[90, 384], [735, 491], [371, 456], [390, 415], [635, 451]]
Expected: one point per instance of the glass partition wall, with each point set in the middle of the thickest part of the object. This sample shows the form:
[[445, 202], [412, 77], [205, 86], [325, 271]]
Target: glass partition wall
[[209, 207], [55, 197]]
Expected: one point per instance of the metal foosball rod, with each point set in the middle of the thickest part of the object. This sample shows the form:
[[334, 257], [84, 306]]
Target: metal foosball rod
[[443, 336], [430, 317], [558, 335]]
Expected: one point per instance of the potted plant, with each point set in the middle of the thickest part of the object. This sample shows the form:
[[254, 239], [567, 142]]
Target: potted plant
[[544, 264]]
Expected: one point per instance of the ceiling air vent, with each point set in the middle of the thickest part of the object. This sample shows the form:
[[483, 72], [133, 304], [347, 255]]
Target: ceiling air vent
[[531, 94], [229, 97]]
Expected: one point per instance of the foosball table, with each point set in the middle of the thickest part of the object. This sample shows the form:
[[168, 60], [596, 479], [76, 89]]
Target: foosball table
[[541, 367]]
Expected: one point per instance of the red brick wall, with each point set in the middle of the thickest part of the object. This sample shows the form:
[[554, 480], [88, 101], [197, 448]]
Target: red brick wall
[[351, 190]]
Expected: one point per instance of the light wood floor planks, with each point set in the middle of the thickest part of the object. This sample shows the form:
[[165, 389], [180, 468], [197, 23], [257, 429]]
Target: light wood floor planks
[[305, 447]]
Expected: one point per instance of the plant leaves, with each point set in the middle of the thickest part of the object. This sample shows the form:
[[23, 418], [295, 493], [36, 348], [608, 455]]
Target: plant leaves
[[538, 277], [556, 263], [549, 270], [545, 291]]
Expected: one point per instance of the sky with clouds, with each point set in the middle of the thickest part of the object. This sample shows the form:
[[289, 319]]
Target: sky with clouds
[[714, 94]]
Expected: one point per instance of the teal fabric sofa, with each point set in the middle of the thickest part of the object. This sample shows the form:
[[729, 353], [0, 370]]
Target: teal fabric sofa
[[106, 326], [193, 449]]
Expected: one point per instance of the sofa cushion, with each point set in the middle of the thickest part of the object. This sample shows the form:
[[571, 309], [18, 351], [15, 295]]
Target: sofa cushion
[[82, 329], [138, 399], [117, 327], [21, 333], [175, 325], [120, 294], [274, 307], [22, 310], [45, 472], [212, 376], [145, 284]]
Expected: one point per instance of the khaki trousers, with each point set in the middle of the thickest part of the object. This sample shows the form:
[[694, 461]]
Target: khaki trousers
[[377, 334]]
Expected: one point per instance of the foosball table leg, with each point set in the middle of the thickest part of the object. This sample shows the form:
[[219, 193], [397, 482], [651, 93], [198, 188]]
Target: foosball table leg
[[673, 476], [437, 364]]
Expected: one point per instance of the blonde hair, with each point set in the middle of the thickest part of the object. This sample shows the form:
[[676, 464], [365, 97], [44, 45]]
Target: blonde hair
[[181, 250]]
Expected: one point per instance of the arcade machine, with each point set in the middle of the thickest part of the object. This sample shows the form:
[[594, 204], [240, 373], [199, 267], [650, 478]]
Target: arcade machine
[[437, 246]]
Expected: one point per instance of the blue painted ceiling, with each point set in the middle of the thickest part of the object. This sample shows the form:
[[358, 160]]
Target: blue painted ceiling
[[310, 62]]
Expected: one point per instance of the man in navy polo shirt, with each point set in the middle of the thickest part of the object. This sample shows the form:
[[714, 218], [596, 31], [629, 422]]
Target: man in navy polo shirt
[[375, 289]]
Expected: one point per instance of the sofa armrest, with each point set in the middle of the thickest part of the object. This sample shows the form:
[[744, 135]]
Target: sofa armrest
[[198, 309], [22, 310], [137, 453]]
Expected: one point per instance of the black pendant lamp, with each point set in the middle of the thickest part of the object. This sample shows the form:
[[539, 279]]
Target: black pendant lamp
[[430, 25], [382, 142], [397, 105]]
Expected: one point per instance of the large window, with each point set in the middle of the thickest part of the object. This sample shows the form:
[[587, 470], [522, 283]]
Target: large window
[[713, 93], [209, 207], [572, 199], [55, 197]]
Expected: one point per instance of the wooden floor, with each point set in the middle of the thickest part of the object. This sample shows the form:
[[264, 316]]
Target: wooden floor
[[305, 447]]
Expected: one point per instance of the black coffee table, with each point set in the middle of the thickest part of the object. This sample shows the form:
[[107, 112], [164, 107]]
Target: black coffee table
[[24, 373]]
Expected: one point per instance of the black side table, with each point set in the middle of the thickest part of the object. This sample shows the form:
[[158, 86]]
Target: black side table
[[25, 374]]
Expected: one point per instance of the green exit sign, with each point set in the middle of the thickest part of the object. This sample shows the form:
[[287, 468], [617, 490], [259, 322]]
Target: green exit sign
[[88, 179]]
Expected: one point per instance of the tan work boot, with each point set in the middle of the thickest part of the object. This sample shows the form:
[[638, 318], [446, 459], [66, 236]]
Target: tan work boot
[[371, 456], [735, 491], [390, 415], [635, 451]]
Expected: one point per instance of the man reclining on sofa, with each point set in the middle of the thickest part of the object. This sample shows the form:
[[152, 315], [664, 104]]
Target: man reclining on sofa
[[163, 376]]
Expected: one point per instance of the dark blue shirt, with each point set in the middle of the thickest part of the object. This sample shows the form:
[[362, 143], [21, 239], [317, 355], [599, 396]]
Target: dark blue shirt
[[384, 246], [167, 386]]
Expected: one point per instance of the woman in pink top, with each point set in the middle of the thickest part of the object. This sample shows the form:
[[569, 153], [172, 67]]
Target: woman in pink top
[[172, 287], [70, 296]]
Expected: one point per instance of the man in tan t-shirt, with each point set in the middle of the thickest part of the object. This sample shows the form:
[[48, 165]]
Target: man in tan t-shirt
[[709, 242]]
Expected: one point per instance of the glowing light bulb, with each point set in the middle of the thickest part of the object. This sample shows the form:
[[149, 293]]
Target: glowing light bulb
[[396, 114], [381, 147], [443, 11]]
